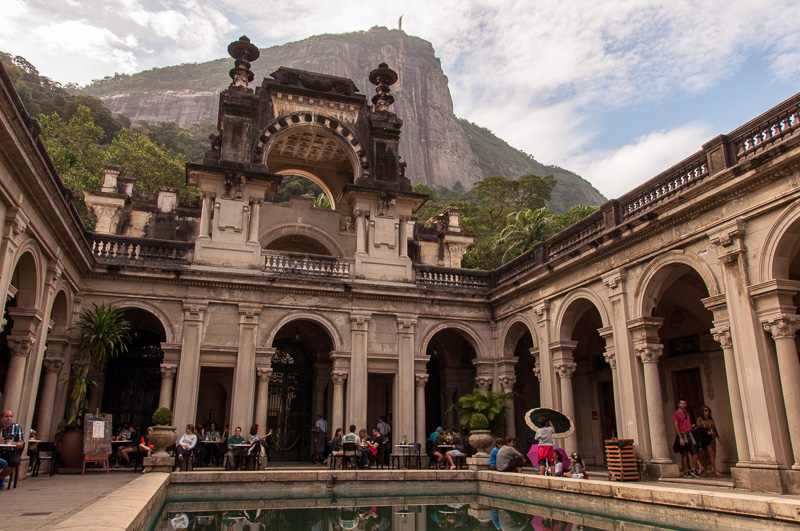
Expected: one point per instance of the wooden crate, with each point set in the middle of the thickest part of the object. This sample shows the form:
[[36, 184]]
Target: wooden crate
[[621, 460]]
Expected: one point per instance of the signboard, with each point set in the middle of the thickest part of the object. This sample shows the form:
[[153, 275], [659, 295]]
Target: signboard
[[96, 439]]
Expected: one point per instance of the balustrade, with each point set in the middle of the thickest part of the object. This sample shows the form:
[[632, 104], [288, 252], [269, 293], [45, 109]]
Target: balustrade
[[125, 249], [306, 265], [446, 277]]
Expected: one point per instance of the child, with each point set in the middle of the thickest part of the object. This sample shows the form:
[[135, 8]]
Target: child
[[544, 437], [559, 468], [576, 468]]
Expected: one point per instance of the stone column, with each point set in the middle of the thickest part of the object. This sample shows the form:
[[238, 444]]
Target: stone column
[[244, 375], [547, 385], [168, 373], [723, 337], [262, 397], [20, 348], [404, 410], [188, 378], [361, 230], [205, 215], [507, 386], [420, 380], [403, 236], [783, 332], [610, 356], [357, 390], [51, 366], [565, 370], [337, 415], [255, 213], [650, 354]]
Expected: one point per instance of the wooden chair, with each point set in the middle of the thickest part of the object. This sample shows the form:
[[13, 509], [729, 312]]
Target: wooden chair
[[45, 451], [352, 453]]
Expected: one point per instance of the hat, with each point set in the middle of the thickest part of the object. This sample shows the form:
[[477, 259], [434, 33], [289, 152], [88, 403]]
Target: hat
[[439, 428]]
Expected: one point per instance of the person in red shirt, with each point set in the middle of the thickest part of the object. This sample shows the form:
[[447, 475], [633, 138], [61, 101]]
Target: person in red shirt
[[685, 443]]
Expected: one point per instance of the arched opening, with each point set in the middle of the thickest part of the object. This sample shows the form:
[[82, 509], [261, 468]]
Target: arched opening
[[591, 382], [132, 382], [298, 388], [519, 343], [451, 373], [692, 366], [300, 183], [298, 243]]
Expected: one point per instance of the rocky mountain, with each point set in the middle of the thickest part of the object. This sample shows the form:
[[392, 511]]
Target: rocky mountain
[[440, 149]]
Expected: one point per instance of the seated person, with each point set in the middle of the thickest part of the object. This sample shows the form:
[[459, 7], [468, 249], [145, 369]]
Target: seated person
[[185, 445], [352, 437], [499, 443], [368, 449], [125, 453], [235, 455], [381, 443], [214, 450], [576, 467], [11, 434], [460, 444], [509, 459], [200, 450], [336, 442], [441, 455], [259, 446]]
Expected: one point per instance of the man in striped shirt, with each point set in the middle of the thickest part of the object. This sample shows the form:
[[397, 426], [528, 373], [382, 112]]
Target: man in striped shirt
[[11, 435]]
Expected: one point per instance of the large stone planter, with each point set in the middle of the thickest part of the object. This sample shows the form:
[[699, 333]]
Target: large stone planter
[[481, 440], [161, 438]]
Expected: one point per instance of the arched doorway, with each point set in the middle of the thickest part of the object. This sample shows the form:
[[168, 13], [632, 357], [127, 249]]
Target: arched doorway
[[132, 381], [298, 388], [519, 343], [451, 373]]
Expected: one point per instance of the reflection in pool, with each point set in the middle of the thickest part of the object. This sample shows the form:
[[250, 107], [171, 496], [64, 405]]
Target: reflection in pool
[[379, 514]]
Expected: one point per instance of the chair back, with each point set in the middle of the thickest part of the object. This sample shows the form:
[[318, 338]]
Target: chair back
[[417, 448], [351, 449], [45, 447]]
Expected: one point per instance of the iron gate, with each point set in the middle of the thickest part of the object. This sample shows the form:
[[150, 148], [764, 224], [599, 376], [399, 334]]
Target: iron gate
[[289, 403]]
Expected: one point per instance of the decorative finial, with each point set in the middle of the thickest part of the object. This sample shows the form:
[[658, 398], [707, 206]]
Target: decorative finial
[[244, 53], [382, 77]]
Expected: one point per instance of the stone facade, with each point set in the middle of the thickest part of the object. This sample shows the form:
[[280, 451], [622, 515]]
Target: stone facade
[[687, 286]]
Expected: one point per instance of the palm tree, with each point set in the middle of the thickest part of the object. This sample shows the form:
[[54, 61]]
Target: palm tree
[[524, 229], [103, 336], [488, 404]]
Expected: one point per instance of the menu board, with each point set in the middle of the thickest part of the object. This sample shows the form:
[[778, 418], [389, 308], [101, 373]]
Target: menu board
[[97, 435]]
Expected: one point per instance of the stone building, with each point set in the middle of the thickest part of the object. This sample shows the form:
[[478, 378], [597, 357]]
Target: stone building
[[246, 312]]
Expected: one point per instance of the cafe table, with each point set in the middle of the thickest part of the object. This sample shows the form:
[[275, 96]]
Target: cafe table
[[115, 446], [406, 456], [210, 452]]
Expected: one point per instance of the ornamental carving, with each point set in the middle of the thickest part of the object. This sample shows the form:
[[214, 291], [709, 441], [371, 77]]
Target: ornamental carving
[[338, 377], [20, 346], [782, 328], [484, 383], [537, 371], [723, 337], [566, 370], [52, 365], [168, 372], [507, 383], [263, 374], [421, 379], [649, 353], [611, 358]]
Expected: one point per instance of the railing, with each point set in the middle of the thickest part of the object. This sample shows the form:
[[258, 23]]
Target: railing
[[125, 249], [573, 237], [765, 131], [447, 277], [664, 186], [306, 265]]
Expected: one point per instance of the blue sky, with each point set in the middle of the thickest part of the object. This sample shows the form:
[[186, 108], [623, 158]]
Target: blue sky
[[615, 91]]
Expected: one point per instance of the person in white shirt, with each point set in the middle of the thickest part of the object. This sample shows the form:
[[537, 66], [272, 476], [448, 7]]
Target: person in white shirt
[[185, 445]]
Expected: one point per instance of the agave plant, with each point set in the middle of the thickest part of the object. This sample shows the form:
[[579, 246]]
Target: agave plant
[[479, 403], [103, 336]]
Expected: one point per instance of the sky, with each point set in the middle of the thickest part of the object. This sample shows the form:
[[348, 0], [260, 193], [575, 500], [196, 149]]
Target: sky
[[615, 91]]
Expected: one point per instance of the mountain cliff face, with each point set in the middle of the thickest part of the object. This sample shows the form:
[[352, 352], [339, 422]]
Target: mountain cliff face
[[440, 149]]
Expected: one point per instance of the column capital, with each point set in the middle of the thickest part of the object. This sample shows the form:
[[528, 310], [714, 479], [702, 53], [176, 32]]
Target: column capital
[[484, 383], [420, 379], [263, 373], [52, 364], [359, 321], [783, 327], [723, 337], [16, 222], [537, 372], [405, 324], [507, 382], [194, 310], [611, 358], [248, 313], [729, 240], [542, 310], [566, 369], [615, 281], [168, 372], [20, 345], [649, 353], [338, 377]]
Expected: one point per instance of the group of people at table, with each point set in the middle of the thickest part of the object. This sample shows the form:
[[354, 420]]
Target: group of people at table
[[198, 443]]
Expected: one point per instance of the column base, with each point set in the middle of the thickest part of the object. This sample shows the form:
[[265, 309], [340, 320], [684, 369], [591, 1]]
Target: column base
[[478, 463], [158, 464], [652, 470], [766, 479]]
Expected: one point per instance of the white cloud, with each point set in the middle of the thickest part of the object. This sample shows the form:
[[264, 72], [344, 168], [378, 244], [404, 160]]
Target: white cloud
[[618, 171]]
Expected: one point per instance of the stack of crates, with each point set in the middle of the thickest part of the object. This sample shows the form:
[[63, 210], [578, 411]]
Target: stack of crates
[[621, 460]]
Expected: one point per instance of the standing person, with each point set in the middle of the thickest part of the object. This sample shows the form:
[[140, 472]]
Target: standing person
[[12, 434], [385, 430], [576, 468], [509, 459], [685, 443], [185, 446], [708, 454], [544, 437], [320, 438]]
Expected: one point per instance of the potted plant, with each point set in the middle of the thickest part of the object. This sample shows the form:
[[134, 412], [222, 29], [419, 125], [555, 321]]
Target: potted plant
[[484, 412], [163, 431], [103, 336]]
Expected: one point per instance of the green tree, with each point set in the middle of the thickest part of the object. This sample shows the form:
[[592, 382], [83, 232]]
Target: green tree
[[523, 229], [534, 191], [487, 403], [496, 195], [571, 216], [151, 167], [322, 201]]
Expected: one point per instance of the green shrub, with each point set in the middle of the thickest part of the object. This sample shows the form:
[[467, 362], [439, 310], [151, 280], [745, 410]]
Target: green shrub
[[478, 422], [162, 416]]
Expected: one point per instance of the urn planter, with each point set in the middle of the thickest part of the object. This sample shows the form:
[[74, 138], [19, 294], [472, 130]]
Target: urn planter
[[481, 440], [161, 438]]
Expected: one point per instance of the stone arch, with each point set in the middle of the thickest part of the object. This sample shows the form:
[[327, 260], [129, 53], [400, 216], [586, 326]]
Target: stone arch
[[781, 244], [30, 279], [471, 335], [307, 121], [565, 315], [313, 178], [659, 273], [511, 333], [326, 324], [308, 231], [59, 309], [170, 328]]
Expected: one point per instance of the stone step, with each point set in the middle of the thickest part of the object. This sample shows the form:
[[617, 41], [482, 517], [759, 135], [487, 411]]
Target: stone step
[[724, 482]]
